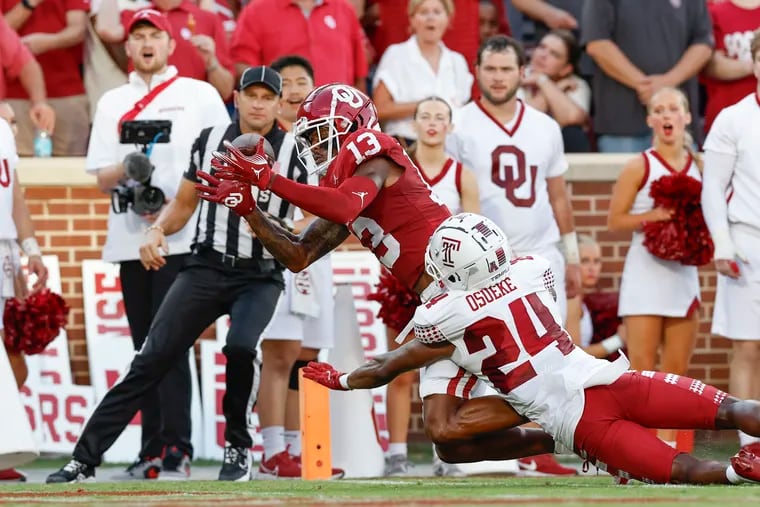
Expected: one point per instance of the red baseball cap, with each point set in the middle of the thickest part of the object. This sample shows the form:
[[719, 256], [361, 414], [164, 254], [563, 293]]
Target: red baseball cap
[[152, 17]]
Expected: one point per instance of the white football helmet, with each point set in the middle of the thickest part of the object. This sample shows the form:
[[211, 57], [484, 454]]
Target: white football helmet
[[466, 252]]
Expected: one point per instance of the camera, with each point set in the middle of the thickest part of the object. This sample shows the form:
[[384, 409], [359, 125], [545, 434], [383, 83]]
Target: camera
[[137, 192]]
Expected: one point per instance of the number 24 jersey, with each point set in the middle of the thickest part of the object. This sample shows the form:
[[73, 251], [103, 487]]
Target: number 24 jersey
[[397, 224], [509, 335]]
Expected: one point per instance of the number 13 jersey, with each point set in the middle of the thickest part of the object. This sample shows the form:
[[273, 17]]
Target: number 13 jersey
[[512, 163], [398, 223]]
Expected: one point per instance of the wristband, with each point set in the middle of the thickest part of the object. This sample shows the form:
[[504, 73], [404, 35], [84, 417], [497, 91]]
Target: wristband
[[27, 5], [570, 248], [612, 344], [343, 381], [724, 245], [155, 227], [31, 247]]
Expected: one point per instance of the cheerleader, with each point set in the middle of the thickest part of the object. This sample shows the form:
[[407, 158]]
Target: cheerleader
[[659, 299]]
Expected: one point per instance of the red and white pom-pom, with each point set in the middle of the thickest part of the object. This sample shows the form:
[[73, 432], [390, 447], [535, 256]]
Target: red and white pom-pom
[[31, 325], [685, 237], [397, 301]]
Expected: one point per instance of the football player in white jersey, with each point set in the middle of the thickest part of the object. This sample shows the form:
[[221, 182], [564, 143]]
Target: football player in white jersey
[[517, 154], [669, 316], [499, 320], [15, 227], [729, 203]]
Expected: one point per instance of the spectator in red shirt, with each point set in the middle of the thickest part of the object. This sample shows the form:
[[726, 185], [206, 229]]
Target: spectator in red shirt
[[202, 51], [391, 26], [327, 33], [16, 62], [54, 31], [728, 75]]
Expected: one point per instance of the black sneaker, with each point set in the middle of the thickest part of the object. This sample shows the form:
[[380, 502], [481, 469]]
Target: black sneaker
[[73, 471], [175, 466], [142, 468], [237, 464]]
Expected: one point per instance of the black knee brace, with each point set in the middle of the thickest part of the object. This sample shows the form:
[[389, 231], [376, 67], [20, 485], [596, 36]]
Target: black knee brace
[[293, 383]]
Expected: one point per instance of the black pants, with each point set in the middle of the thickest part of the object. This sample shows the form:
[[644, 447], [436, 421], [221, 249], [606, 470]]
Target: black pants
[[201, 293], [165, 408]]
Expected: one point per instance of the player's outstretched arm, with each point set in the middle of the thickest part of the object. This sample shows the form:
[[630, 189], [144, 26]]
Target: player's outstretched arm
[[381, 369], [342, 204], [296, 252]]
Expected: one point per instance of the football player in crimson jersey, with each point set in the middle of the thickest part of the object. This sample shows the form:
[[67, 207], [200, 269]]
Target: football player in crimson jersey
[[499, 320], [369, 187]]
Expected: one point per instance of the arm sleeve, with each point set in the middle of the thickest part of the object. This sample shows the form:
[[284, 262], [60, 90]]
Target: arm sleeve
[[244, 48], [103, 149], [385, 71], [340, 205], [701, 26], [13, 54], [719, 169], [558, 164], [597, 20]]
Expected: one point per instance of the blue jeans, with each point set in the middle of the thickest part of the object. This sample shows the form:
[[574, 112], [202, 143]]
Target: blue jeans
[[624, 144]]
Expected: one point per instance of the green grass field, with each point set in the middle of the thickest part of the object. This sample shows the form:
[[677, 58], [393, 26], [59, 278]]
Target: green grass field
[[427, 492]]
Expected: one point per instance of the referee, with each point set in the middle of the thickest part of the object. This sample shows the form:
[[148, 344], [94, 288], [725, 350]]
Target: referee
[[228, 272]]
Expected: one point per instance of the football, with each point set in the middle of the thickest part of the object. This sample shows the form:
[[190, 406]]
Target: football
[[247, 143]]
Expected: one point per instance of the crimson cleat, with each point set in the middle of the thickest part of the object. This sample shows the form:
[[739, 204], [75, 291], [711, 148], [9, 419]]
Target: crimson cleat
[[279, 466], [543, 465], [11, 475], [746, 464]]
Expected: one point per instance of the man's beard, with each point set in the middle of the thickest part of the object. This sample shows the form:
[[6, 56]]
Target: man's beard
[[499, 101], [149, 68]]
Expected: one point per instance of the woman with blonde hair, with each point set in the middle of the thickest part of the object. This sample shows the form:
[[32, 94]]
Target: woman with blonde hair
[[419, 67], [659, 299], [592, 319]]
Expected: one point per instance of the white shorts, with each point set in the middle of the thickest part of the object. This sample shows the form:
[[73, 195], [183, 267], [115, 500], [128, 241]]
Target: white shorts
[[315, 331], [10, 264], [446, 377], [736, 312]]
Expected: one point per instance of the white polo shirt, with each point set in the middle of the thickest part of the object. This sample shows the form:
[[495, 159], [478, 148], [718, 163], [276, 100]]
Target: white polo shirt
[[735, 132], [191, 105], [409, 78], [8, 162]]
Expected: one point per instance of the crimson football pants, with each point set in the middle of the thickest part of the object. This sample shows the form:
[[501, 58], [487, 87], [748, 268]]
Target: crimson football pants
[[613, 430]]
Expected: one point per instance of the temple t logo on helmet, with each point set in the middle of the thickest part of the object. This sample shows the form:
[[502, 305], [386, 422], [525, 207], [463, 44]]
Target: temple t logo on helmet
[[466, 252], [326, 116]]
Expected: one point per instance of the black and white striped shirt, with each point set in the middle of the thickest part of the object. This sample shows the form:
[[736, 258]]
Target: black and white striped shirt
[[221, 228]]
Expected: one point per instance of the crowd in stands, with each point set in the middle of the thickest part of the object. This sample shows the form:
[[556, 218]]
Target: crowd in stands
[[593, 63]]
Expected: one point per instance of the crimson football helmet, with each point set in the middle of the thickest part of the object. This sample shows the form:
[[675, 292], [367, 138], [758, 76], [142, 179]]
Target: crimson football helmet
[[326, 116], [467, 252]]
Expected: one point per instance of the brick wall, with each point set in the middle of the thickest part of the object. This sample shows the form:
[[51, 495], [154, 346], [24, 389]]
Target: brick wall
[[71, 223]]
